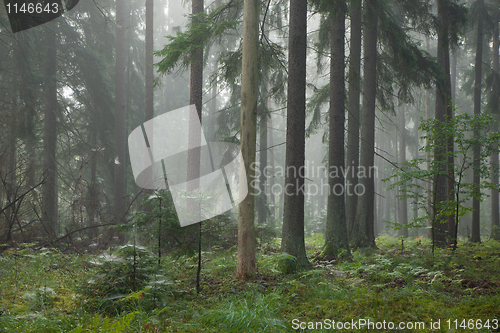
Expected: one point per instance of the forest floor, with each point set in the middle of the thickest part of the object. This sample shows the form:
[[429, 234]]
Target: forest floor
[[47, 291]]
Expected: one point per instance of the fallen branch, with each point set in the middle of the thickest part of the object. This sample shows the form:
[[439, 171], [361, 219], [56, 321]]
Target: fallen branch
[[72, 232]]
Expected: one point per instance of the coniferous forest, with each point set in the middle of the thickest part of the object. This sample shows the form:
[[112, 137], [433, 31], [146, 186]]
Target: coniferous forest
[[249, 166]]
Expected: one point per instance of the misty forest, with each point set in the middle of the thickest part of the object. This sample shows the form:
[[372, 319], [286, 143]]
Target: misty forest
[[345, 170]]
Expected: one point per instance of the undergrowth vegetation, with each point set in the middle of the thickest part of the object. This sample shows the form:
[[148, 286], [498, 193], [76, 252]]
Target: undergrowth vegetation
[[126, 290]]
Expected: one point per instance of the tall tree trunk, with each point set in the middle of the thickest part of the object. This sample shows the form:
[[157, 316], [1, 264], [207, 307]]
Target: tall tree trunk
[[93, 194], [246, 231], [212, 117], [453, 75], [120, 110], [476, 227], [262, 201], [49, 192], [428, 187], [28, 105], [149, 98], [352, 158], [362, 234], [417, 181], [336, 236], [440, 230], [194, 153], [149, 77], [196, 72], [272, 199], [9, 175], [495, 209], [402, 202], [293, 210]]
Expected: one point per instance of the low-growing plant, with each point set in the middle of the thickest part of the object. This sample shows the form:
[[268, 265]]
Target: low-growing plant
[[126, 279]]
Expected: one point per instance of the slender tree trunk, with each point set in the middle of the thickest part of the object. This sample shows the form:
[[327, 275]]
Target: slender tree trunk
[[9, 177], [262, 201], [49, 194], [362, 234], [196, 73], [149, 98], [246, 232], [495, 209], [428, 184], [120, 110], [272, 200], [453, 75], [402, 202], [194, 153], [212, 118], [293, 210], [476, 227], [149, 78], [417, 181], [352, 158], [93, 194], [336, 236]]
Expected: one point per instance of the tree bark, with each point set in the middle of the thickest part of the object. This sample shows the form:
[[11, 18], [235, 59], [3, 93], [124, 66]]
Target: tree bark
[[443, 97], [246, 232], [495, 209], [336, 236], [352, 158], [262, 201], [272, 199], [149, 98], [402, 202], [428, 185], [293, 210], [476, 206], [363, 233], [49, 191], [120, 110]]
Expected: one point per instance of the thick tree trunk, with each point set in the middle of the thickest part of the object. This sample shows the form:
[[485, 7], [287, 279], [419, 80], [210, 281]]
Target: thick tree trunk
[[352, 154], [49, 192], [362, 234], [336, 236], [495, 209], [476, 226], [293, 210], [440, 230], [246, 231]]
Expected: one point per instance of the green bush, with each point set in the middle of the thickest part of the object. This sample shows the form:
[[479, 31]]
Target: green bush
[[126, 279]]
